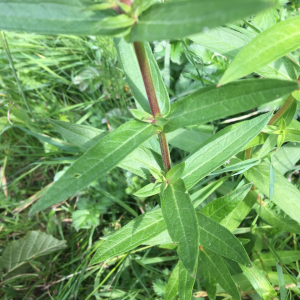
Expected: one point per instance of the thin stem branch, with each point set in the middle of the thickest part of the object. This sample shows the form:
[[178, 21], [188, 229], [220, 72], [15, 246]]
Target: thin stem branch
[[150, 90]]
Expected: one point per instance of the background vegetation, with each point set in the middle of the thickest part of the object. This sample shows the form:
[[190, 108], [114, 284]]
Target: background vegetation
[[79, 80]]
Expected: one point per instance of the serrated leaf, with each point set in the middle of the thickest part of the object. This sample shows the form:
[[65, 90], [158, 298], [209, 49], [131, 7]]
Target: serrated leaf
[[178, 19], [181, 222], [217, 40], [259, 282], [185, 283], [286, 195], [172, 287], [102, 157], [175, 173], [33, 245], [211, 103], [275, 42], [221, 208], [141, 229], [217, 268], [55, 17], [221, 149]]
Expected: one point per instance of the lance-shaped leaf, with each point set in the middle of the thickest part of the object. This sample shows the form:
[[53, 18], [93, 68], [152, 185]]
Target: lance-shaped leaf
[[102, 157], [229, 42], [133, 74], [141, 229], [286, 195], [220, 240], [160, 88], [35, 244], [85, 137], [178, 19], [181, 221], [210, 283], [217, 268], [268, 46], [259, 282], [221, 149], [175, 173], [285, 257], [55, 17], [172, 287], [148, 190], [185, 283], [211, 103], [271, 217], [221, 208]]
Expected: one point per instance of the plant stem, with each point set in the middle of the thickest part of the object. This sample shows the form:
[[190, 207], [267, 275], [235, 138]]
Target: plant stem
[[282, 110], [150, 90]]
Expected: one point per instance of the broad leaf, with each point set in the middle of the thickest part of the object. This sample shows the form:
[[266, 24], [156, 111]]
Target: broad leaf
[[185, 283], [102, 157], [217, 40], [286, 257], [217, 268], [33, 245], [221, 208], [220, 240], [181, 221], [172, 287], [221, 149], [268, 46], [178, 19], [259, 282], [271, 217], [55, 17], [141, 229], [286, 195], [211, 103]]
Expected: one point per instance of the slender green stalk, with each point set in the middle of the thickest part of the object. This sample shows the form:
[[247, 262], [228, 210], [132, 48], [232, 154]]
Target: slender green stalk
[[150, 90]]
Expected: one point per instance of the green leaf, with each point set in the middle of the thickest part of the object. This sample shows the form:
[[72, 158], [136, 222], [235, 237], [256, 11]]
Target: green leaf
[[186, 139], [148, 190], [102, 157], [286, 257], [160, 88], [217, 40], [286, 195], [141, 229], [221, 208], [79, 135], [259, 282], [185, 283], [172, 287], [268, 46], [178, 19], [270, 216], [55, 17], [142, 115], [286, 157], [217, 268], [181, 221], [220, 240], [175, 173], [210, 282], [221, 149], [133, 74], [211, 103], [33, 245]]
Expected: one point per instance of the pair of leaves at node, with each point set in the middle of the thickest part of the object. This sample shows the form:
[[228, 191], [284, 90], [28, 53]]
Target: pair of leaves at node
[[160, 21]]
